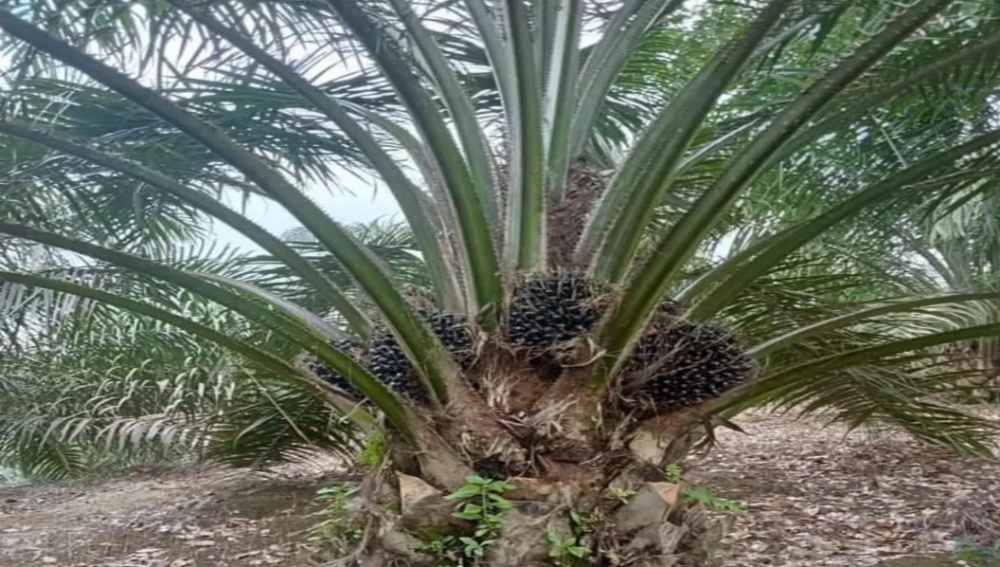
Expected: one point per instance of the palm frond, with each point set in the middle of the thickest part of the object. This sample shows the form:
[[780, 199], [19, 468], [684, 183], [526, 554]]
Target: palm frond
[[785, 166]]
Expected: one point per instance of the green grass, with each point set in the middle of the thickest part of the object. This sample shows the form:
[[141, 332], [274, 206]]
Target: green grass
[[945, 560]]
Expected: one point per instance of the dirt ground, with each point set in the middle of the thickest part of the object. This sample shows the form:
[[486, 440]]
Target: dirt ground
[[813, 497]]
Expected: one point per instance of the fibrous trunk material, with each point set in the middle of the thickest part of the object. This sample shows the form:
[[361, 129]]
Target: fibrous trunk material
[[542, 523]]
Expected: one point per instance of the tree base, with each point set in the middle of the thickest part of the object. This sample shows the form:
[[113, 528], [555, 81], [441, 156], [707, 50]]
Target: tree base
[[533, 523]]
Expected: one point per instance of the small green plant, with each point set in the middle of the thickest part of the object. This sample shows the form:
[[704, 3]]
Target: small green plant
[[622, 494], [583, 523], [674, 472], [334, 533], [565, 551], [481, 502], [705, 497], [974, 554], [373, 452], [448, 551]]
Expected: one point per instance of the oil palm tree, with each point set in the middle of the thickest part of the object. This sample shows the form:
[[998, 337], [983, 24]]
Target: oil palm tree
[[955, 240], [570, 341]]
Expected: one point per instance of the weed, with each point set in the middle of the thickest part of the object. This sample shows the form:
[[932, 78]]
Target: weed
[[583, 523], [674, 472], [373, 452], [705, 497], [565, 551], [481, 502], [976, 555], [622, 494], [335, 533]]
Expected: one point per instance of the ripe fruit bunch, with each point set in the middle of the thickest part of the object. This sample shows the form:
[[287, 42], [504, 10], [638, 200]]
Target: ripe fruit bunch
[[331, 376], [385, 359], [676, 363], [547, 310], [387, 362], [681, 363]]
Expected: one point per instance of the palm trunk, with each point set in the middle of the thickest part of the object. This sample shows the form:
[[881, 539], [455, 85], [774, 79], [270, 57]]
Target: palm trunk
[[430, 508]]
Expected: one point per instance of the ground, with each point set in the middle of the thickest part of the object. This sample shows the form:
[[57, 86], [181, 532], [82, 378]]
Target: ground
[[813, 497]]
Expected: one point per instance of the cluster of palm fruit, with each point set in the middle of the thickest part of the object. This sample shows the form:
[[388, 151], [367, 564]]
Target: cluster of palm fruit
[[388, 362], [675, 363], [331, 376], [681, 363], [544, 311], [385, 359]]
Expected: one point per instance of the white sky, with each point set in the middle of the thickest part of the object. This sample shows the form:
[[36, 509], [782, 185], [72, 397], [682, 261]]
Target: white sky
[[366, 204]]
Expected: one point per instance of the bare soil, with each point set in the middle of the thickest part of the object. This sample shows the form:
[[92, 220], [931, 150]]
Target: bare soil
[[190, 518], [813, 498]]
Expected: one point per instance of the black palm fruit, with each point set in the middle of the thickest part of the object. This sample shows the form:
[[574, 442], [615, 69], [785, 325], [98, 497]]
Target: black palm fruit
[[550, 309], [388, 363], [453, 332], [683, 363], [331, 376]]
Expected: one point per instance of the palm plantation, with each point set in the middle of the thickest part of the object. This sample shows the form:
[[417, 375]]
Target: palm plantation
[[603, 269]]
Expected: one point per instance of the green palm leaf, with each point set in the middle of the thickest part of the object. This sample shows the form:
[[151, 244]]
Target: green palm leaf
[[790, 169]]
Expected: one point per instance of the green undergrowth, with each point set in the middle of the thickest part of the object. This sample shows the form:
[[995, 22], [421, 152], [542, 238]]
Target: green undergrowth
[[480, 506], [334, 534], [976, 555], [700, 494]]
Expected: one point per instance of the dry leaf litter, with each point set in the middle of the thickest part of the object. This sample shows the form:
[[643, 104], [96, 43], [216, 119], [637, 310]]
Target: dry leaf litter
[[813, 497]]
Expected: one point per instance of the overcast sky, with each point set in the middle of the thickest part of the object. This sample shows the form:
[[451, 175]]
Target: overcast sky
[[367, 203]]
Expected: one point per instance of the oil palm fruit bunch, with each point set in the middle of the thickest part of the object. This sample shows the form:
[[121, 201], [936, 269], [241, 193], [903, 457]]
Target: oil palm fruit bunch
[[683, 363], [387, 361], [676, 363], [555, 202], [330, 375], [550, 309], [384, 357]]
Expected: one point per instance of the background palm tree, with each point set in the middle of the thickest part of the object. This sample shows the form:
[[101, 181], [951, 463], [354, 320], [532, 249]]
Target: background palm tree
[[557, 198], [955, 241], [89, 388]]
